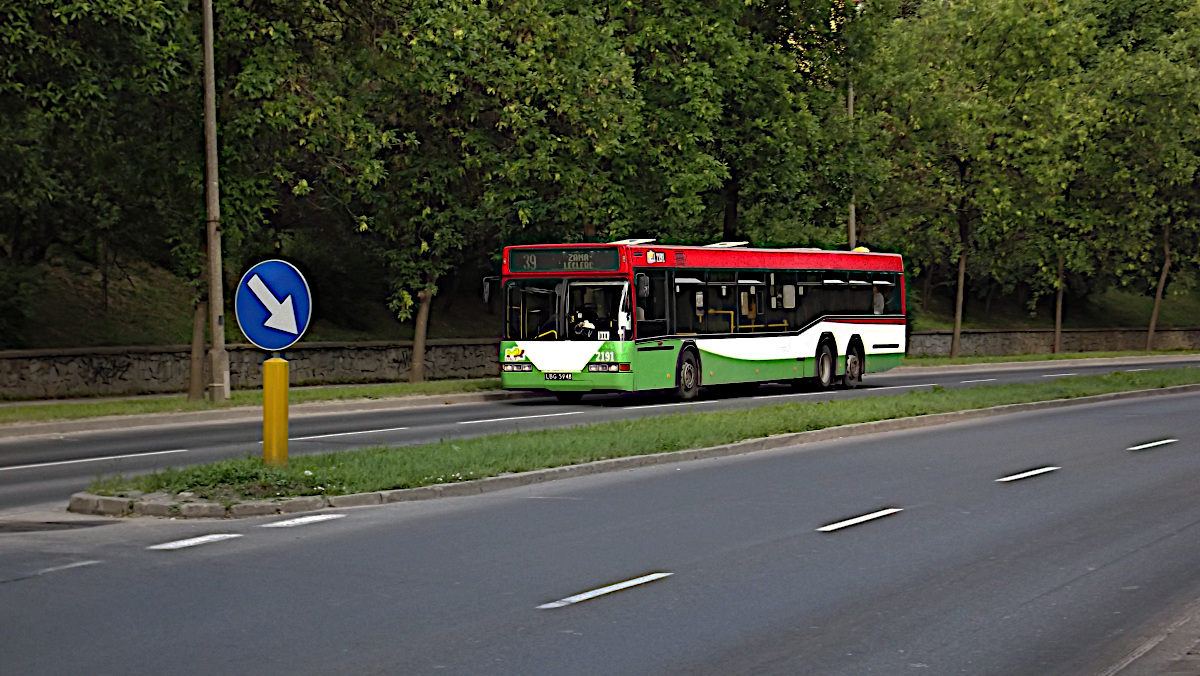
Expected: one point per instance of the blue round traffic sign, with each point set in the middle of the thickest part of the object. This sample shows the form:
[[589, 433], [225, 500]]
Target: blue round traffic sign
[[273, 305]]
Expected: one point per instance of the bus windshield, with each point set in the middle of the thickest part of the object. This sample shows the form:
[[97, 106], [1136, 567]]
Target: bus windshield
[[569, 309]]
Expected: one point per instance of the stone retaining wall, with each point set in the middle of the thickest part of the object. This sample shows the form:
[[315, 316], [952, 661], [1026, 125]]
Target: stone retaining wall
[[980, 342], [151, 370]]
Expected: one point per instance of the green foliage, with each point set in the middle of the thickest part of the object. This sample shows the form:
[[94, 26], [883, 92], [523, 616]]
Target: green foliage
[[382, 145]]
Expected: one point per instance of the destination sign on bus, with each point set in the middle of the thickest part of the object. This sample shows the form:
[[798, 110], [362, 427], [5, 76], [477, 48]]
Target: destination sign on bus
[[564, 260]]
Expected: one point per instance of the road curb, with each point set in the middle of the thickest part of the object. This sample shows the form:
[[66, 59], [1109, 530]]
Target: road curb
[[88, 503]]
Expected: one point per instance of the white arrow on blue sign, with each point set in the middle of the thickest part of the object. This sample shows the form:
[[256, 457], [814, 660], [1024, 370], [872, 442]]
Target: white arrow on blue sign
[[273, 305]]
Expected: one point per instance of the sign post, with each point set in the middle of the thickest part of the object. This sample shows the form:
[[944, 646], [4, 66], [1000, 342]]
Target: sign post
[[273, 306]]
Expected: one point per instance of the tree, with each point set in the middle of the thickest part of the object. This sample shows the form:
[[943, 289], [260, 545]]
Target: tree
[[963, 79]]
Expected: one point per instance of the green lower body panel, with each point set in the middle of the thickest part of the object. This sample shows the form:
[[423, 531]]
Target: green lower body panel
[[718, 370], [653, 366], [882, 362], [579, 382]]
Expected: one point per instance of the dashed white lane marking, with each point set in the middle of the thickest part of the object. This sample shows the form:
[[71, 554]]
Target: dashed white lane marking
[[1026, 475], [107, 457], [344, 434], [77, 564], [604, 590], [981, 380], [302, 520], [677, 403], [1152, 444], [1135, 370], [1058, 375], [192, 542], [896, 387], [858, 519], [520, 417]]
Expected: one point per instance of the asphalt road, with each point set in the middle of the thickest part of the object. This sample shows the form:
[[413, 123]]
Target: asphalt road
[[1061, 572], [39, 470]]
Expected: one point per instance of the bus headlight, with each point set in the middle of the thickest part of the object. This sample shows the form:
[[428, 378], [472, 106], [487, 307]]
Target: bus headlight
[[516, 367], [603, 368]]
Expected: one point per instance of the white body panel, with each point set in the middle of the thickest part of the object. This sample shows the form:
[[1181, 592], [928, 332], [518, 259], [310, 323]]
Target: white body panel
[[804, 346]]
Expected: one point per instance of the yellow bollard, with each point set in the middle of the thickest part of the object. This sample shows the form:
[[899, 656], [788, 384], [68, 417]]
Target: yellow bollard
[[275, 411]]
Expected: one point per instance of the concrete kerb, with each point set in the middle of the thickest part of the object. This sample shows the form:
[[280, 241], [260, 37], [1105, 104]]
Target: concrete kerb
[[87, 503]]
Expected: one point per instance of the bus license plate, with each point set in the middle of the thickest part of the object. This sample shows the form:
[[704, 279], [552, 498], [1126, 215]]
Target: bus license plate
[[558, 376]]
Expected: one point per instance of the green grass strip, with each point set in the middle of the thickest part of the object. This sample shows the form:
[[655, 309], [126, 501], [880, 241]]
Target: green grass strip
[[382, 468], [43, 412]]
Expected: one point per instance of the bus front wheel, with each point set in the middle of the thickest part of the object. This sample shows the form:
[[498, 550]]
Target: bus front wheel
[[826, 368], [687, 376]]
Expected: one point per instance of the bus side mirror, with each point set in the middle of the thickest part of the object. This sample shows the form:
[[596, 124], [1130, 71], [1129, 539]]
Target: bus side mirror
[[643, 285]]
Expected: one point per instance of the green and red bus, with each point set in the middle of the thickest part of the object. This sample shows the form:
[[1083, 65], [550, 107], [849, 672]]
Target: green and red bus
[[631, 316]]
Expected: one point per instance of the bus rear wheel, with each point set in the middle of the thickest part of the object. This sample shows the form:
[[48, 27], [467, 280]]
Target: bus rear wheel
[[687, 376], [826, 368], [854, 368], [569, 397]]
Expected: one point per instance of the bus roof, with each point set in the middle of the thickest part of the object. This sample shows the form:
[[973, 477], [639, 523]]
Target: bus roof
[[680, 256]]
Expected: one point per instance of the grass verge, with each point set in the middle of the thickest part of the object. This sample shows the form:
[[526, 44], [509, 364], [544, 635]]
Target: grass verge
[[383, 468], [42, 412]]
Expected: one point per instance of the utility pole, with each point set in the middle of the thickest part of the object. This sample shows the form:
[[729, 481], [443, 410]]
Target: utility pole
[[218, 388]]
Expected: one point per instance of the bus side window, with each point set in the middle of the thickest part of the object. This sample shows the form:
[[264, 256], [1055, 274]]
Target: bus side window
[[777, 302], [689, 290], [722, 301]]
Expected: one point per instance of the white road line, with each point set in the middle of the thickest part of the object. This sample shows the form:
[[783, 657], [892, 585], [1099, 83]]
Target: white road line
[[895, 387], [790, 394], [858, 519], [981, 380], [678, 403], [302, 521], [1026, 475], [192, 542], [604, 590], [520, 417], [1059, 375], [344, 434], [1152, 444], [107, 457], [1135, 370], [77, 564]]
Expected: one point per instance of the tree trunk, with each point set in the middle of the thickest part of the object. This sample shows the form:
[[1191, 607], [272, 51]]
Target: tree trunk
[[729, 228], [1162, 283], [1058, 302], [958, 304], [104, 272], [927, 289], [416, 371], [589, 231], [196, 364]]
